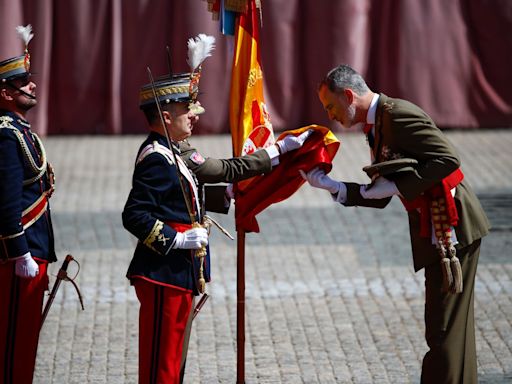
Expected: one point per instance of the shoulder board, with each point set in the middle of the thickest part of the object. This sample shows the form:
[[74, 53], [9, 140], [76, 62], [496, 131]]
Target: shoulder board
[[155, 147]]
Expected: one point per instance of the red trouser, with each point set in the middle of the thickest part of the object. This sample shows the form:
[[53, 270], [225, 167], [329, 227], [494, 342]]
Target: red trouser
[[163, 316], [21, 302]]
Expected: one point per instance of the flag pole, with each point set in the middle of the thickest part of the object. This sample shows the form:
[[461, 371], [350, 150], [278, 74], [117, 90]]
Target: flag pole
[[246, 94], [240, 307]]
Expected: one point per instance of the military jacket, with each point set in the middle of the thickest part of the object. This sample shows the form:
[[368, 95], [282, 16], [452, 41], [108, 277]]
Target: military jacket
[[25, 220], [403, 130], [210, 170], [153, 211]]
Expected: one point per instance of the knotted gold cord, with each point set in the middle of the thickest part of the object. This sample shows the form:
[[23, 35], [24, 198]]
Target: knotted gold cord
[[450, 264], [201, 253]]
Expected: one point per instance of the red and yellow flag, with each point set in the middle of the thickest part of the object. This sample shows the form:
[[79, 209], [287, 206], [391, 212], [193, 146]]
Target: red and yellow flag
[[284, 180], [248, 116], [251, 129]]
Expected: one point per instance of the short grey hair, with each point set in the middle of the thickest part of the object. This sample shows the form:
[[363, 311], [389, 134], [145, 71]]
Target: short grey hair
[[343, 77]]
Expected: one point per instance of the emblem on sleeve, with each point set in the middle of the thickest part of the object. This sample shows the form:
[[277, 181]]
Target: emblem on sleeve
[[155, 235], [197, 158], [161, 237], [387, 154]]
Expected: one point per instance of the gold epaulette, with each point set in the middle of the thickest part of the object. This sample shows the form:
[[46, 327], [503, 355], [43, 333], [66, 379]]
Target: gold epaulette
[[39, 170]]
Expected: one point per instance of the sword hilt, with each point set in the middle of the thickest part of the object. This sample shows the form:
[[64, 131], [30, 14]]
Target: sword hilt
[[62, 275]]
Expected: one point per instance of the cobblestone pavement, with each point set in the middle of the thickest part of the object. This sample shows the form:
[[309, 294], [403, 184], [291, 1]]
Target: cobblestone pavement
[[331, 296]]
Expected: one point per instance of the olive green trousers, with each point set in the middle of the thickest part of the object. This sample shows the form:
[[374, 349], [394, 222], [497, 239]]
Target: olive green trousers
[[450, 325]]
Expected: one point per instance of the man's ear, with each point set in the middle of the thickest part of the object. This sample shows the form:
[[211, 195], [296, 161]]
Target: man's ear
[[167, 117], [5, 95], [349, 94]]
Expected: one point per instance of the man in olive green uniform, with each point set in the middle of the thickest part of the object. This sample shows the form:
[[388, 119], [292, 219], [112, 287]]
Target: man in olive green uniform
[[397, 129]]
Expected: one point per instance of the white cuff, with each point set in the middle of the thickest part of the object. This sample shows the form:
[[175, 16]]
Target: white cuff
[[341, 196], [177, 241], [273, 153]]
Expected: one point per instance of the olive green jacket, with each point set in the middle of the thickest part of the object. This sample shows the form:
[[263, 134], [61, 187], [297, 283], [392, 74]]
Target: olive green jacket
[[210, 170], [403, 130]]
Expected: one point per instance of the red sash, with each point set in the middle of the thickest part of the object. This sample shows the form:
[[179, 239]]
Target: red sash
[[441, 190], [35, 211], [179, 227]]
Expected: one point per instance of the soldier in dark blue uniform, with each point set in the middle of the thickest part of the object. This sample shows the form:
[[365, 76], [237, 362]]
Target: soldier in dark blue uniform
[[26, 235], [162, 205], [161, 208]]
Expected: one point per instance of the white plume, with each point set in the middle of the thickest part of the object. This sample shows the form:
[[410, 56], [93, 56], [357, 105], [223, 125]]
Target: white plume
[[25, 33], [199, 48]]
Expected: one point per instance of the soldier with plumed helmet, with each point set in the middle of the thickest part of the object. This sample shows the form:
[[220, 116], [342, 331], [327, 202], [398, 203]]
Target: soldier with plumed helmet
[[26, 234], [162, 210]]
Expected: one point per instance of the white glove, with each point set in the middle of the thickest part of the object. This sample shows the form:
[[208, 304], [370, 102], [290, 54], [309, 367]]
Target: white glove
[[317, 178], [379, 189], [291, 142], [193, 238], [26, 266]]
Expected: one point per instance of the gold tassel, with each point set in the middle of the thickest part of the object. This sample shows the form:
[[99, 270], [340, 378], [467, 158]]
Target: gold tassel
[[456, 270], [457, 275], [200, 253], [201, 285], [450, 264], [447, 274], [445, 268]]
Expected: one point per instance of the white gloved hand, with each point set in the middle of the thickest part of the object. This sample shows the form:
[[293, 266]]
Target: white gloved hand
[[194, 238], [379, 189], [26, 266], [291, 142], [317, 178]]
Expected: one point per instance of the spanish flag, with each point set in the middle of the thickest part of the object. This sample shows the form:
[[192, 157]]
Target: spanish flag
[[251, 130], [284, 180], [248, 116]]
